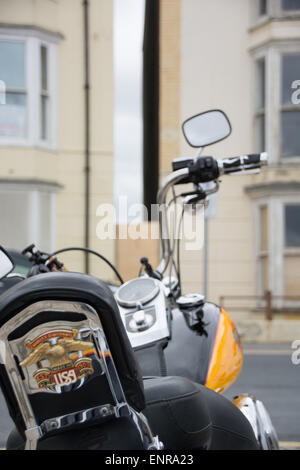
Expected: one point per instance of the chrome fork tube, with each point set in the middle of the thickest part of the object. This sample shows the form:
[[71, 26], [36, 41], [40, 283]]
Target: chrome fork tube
[[172, 179]]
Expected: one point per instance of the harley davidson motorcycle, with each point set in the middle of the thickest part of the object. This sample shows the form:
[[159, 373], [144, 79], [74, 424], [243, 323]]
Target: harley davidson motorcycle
[[85, 366]]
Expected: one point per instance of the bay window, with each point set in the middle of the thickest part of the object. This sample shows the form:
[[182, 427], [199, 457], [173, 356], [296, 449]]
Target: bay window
[[13, 113], [290, 113], [291, 249], [277, 115], [277, 225], [28, 71]]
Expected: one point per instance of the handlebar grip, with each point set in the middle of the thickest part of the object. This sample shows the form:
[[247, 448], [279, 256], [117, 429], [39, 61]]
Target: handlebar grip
[[242, 163], [205, 169]]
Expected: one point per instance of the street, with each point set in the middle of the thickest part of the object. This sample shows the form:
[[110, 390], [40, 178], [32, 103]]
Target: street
[[269, 374]]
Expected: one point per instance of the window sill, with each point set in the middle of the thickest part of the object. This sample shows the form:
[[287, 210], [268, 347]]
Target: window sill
[[259, 22], [27, 144], [291, 251], [282, 310], [289, 161], [265, 20]]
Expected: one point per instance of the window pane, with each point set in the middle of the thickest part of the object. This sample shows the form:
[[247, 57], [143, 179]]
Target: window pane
[[15, 209], [290, 73], [265, 273], [45, 221], [13, 118], [290, 127], [260, 133], [292, 225], [12, 64], [292, 275], [264, 228], [44, 69], [14, 216], [261, 82], [44, 120], [291, 5], [262, 7]]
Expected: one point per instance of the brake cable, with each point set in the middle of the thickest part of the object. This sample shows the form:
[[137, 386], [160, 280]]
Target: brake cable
[[88, 250]]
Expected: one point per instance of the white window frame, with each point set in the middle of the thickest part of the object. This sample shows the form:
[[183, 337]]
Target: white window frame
[[33, 40], [274, 10], [262, 111], [280, 12], [276, 243], [272, 53], [255, 16]]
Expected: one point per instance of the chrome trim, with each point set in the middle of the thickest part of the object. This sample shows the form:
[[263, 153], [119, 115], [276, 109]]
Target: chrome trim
[[173, 178], [150, 442], [78, 417], [190, 300], [32, 437], [264, 158], [144, 300], [22, 388], [259, 418], [16, 276]]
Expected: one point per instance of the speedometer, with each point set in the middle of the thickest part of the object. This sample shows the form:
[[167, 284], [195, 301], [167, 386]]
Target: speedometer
[[137, 291]]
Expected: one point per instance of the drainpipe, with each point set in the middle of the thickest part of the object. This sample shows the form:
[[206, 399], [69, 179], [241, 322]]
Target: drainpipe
[[87, 133], [151, 103]]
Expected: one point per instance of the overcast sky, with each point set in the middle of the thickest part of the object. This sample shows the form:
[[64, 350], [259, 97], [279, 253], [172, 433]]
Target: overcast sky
[[128, 43]]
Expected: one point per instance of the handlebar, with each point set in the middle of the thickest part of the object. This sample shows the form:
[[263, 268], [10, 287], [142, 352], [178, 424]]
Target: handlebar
[[199, 170], [205, 169], [243, 163]]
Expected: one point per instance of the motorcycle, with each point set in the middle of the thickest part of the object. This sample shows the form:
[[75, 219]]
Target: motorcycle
[[71, 349]]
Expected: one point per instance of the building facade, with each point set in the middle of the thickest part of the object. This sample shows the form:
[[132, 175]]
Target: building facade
[[242, 57], [43, 124]]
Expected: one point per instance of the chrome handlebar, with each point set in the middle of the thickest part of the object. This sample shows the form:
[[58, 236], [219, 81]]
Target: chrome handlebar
[[201, 170]]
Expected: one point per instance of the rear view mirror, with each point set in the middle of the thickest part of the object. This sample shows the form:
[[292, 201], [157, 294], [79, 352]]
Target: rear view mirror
[[6, 264], [206, 128]]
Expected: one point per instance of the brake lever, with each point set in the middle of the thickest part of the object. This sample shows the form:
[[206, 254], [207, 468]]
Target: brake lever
[[201, 194]]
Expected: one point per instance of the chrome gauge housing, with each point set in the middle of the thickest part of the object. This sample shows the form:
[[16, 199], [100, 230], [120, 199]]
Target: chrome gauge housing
[[190, 300], [137, 292]]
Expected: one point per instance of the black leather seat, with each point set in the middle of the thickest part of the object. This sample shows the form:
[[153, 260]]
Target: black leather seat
[[195, 415], [177, 411]]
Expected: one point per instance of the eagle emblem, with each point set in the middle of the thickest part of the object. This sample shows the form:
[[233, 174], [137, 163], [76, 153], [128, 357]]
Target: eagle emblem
[[60, 350]]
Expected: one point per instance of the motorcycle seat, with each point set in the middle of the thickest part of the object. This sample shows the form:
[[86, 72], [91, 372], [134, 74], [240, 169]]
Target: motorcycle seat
[[177, 411], [187, 415]]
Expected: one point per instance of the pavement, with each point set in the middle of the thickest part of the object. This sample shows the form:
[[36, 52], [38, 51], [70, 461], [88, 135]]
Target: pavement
[[268, 373]]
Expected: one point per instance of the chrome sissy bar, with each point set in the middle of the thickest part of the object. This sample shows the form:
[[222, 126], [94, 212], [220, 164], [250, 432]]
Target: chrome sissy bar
[[10, 349]]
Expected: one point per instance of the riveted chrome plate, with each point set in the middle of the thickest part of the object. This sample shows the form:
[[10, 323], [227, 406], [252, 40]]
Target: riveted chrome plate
[[57, 356]]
